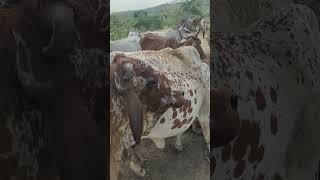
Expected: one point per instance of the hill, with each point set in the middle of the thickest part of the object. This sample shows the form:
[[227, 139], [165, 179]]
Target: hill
[[159, 8]]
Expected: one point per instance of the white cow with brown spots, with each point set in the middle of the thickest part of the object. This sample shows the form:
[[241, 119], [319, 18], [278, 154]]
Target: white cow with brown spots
[[156, 96], [166, 60], [271, 70]]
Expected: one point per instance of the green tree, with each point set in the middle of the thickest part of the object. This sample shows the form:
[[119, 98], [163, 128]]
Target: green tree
[[192, 7]]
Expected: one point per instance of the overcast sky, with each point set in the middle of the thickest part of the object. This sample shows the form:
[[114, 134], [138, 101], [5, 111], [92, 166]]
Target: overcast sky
[[124, 5]]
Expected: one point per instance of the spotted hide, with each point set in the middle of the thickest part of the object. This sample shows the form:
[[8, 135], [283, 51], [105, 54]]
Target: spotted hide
[[187, 89], [271, 71]]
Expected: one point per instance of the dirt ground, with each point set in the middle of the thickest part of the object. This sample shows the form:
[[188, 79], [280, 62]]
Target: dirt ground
[[167, 163]]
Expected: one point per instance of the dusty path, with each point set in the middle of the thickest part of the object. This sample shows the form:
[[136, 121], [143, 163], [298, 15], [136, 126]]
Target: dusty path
[[168, 164]]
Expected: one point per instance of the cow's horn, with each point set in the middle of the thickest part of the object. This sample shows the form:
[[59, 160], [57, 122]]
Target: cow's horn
[[196, 35], [64, 34], [26, 77]]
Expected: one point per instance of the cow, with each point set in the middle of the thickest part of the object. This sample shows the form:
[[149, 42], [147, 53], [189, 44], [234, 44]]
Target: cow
[[77, 151], [265, 83], [205, 27], [175, 120], [193, 22], [129, 44], [127, 107], [132, 33], [179, 34], [155, 42]]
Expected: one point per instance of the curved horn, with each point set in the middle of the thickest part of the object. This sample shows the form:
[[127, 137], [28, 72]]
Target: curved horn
[[196, 35], [64, 34], [29, 83], [135, 112], [117, 83]]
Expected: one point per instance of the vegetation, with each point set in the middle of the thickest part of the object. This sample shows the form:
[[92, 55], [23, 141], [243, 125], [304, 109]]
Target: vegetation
[[159, 17]]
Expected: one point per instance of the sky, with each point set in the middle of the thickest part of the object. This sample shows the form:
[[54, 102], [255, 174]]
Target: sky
[[125, 5]]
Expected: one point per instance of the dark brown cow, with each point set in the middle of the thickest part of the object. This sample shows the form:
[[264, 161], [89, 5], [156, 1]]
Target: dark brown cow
[[155, 42], [76, 144], [24, 118]]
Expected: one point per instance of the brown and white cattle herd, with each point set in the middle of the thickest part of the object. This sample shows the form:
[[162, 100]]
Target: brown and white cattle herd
[[159, 87]]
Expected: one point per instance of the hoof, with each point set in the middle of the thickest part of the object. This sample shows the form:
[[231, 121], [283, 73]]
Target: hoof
[[179, 148], [142, 173]]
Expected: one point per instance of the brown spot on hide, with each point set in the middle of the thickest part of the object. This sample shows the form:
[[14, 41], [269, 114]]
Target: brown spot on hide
[[273, 124], [162, 120], [191, 93], [249, 135], [184, 121], [249, 75], [273, 95], [224, 120], [260, 99], [174, 114], [195, 100]]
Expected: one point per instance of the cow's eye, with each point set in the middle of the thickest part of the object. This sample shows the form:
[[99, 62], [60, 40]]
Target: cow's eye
[[152, 83]]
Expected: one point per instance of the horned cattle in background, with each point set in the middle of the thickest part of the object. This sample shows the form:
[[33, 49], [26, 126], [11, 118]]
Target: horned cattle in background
[[151, 41]]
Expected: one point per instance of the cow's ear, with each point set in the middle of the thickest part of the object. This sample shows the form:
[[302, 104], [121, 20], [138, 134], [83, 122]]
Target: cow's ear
[[135, 112]]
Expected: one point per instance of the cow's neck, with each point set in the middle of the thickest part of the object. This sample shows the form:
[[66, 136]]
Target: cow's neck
[[178, 44]]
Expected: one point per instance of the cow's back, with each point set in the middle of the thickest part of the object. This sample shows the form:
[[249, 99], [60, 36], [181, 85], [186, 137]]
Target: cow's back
[[169, 59], [129, 44]]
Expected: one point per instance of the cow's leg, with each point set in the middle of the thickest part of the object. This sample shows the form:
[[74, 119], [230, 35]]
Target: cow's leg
[[204, 121], [178, 144], [136, 167]]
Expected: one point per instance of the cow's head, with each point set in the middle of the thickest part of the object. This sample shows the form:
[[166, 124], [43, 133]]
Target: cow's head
[[141, 85], [184, 31], [195, 42], [224, 117], [32, 87]]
